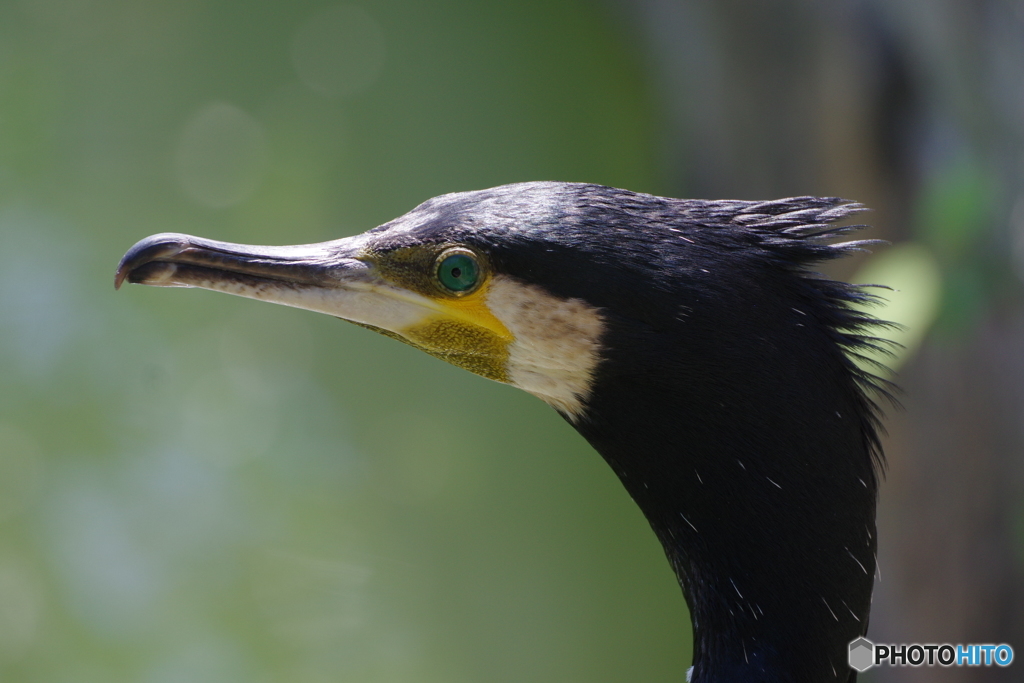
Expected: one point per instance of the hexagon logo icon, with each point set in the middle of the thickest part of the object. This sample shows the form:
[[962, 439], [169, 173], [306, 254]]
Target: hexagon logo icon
[[862, 654]]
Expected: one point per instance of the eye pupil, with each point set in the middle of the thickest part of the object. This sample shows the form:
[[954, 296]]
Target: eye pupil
[[458, 272]]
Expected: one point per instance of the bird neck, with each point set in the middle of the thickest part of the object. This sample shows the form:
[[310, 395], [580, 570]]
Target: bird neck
[[764, 501]]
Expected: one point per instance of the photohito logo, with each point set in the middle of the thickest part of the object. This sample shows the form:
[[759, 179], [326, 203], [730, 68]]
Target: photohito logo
[[864, 654]]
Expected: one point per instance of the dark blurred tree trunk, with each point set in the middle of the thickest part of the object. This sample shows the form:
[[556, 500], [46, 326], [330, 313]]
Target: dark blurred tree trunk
[[875, 100]]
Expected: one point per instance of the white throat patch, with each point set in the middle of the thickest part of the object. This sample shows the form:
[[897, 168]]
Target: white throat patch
[[557, 342]]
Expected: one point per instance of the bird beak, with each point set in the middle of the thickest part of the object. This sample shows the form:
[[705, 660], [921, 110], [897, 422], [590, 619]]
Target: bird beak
[[334, 277]]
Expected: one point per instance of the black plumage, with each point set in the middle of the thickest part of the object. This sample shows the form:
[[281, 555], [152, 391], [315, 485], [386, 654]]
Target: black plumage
[[725, 395]]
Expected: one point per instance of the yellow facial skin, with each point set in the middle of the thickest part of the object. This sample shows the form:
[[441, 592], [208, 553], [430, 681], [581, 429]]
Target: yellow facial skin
[[461, 329]]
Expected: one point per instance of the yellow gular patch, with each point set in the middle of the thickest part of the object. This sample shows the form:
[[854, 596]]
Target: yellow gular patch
[[465, 333]]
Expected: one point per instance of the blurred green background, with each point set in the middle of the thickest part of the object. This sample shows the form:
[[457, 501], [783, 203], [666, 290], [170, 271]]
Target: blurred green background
[[195, 487]]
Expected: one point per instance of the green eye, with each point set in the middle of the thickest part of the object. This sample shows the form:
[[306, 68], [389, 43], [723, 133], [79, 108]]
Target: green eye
[[458, 271]]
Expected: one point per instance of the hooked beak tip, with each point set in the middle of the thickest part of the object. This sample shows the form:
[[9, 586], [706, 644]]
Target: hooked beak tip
[[142, 252]]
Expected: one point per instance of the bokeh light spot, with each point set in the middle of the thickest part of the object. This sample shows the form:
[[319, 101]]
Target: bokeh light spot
[[111, 582], [913, 273], [221, 156]]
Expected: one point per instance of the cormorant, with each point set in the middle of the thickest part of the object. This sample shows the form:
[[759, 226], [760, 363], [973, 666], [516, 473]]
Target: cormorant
[[686, 340]]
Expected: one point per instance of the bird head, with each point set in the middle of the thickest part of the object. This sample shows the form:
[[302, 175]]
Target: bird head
[[521, 283], [502, 282], [685, 339]]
